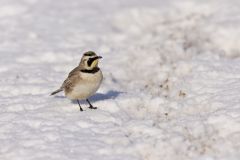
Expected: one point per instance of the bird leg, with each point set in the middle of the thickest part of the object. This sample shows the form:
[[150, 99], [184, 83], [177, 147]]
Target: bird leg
[[90, 105], [79, 105]]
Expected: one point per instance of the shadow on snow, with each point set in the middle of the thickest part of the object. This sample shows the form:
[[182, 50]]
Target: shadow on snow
[[98, 96]]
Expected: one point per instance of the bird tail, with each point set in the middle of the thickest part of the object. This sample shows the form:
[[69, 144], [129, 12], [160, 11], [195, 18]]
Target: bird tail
[[55, 92]]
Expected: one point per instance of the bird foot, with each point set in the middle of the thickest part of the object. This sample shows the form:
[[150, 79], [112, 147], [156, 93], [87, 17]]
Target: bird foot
[[91, 107]]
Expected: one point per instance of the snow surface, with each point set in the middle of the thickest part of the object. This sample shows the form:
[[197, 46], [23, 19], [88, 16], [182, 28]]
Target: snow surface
[[171, 88]]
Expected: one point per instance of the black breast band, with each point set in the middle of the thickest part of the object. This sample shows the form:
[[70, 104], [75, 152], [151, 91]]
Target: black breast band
[[94, 70]]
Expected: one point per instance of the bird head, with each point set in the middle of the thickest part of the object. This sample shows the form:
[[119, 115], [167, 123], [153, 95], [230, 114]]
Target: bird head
[[89, 60]]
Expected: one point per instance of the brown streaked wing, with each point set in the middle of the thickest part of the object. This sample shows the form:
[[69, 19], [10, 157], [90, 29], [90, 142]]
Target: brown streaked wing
[[73, 78]]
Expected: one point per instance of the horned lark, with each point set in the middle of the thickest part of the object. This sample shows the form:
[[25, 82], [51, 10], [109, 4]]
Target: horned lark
[[84, 80]]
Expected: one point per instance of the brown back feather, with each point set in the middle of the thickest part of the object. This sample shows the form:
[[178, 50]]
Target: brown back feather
[[72, 78]]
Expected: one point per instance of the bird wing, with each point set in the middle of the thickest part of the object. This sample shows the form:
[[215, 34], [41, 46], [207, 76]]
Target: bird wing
[[72, 79]]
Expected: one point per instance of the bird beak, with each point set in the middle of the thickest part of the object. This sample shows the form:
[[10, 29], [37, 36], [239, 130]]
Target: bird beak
[[94, 58]]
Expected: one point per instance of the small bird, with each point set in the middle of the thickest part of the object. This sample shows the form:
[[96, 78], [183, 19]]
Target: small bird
[[84, 80]]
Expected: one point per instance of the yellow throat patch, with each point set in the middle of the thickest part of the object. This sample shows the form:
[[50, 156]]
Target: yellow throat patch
[[94, 63]]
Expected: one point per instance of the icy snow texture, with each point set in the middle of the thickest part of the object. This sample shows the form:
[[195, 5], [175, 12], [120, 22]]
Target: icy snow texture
[[171, 87]]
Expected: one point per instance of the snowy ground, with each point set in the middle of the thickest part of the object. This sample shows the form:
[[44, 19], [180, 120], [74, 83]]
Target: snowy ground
[[171, 88]]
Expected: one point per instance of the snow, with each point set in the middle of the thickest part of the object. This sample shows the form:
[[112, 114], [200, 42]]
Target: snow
[[171, 79]]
